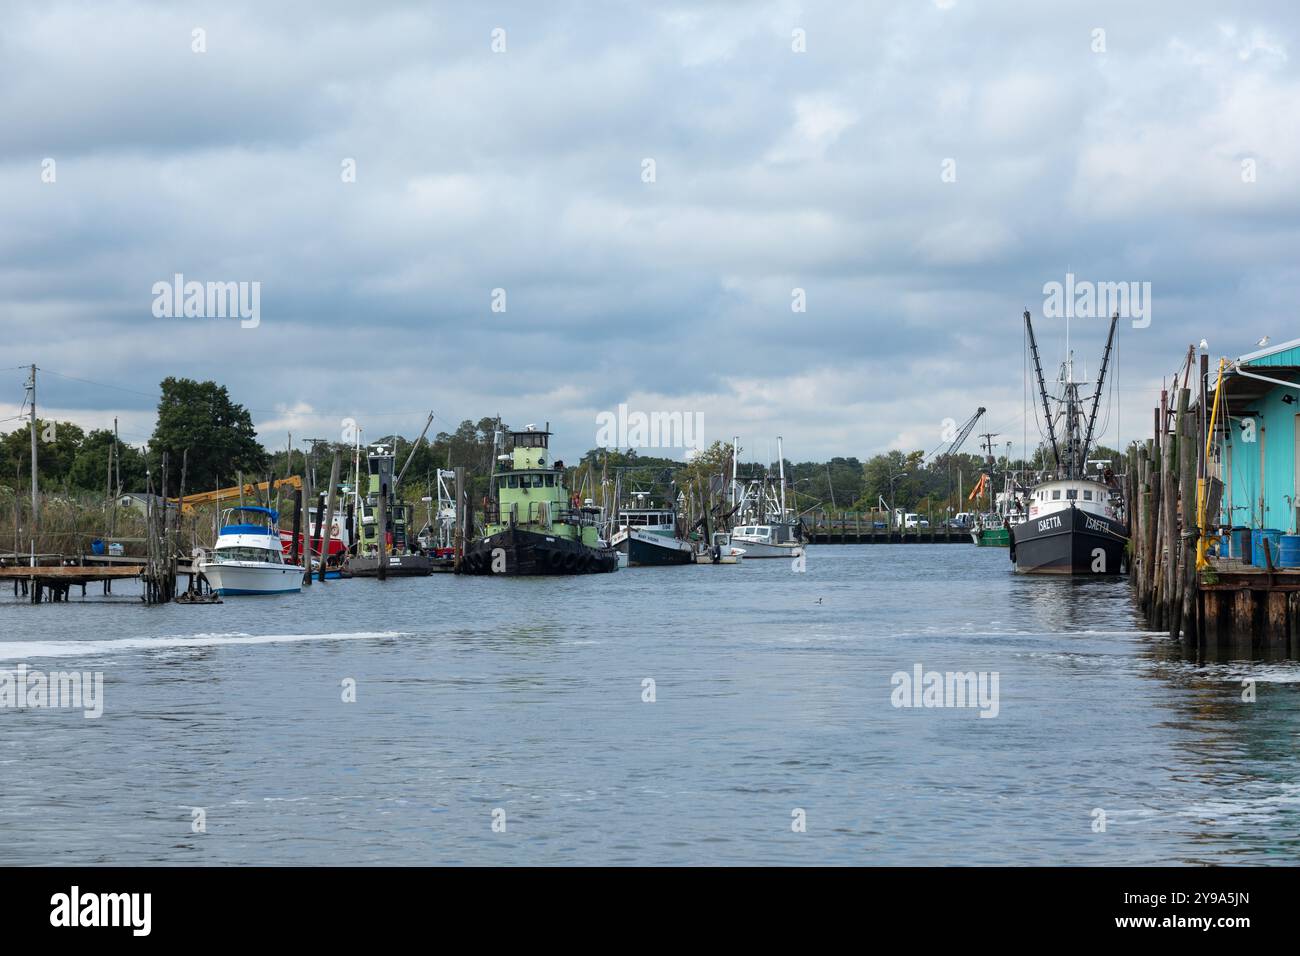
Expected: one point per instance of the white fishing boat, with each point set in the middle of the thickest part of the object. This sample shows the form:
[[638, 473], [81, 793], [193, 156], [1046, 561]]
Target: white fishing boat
[[771, 540], [247, 558], [722, 551], [764, 527]]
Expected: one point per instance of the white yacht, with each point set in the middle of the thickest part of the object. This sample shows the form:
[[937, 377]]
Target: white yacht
[[247, 558]]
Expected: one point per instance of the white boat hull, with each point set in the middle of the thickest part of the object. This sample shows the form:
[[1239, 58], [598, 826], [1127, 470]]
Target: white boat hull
[[759, 549], [252, 577]]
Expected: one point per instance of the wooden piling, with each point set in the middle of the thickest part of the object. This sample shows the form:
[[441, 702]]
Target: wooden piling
[[329, 514]]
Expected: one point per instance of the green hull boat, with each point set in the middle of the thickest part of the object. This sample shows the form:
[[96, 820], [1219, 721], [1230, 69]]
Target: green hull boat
[[992, 538]]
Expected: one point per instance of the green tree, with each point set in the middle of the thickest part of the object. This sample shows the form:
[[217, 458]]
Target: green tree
[[219, 434], [89, 470], [57, 445]]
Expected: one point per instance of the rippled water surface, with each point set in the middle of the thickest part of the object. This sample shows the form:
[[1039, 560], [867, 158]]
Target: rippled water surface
[[772, 693]]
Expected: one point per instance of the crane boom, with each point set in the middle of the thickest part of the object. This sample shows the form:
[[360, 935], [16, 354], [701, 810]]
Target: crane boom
[[965, 432], [411, 454], [225, 494]]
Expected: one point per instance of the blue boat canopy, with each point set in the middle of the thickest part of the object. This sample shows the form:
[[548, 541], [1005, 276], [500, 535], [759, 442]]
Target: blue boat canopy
[[257, 509]]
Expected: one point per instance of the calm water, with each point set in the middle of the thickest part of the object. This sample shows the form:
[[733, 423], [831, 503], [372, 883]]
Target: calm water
[[772, 693]]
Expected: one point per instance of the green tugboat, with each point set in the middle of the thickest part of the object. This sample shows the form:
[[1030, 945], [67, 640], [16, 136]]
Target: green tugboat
[[382, 514], [532, 526]]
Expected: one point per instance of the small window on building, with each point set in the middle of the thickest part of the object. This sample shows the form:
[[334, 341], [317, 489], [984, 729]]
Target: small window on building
[[513, 481], [1087, 496], [1071, 494], [1056, 495]]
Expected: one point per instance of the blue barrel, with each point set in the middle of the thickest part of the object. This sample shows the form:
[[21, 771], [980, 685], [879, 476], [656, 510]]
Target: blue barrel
[[1260, 538], [1288, 551], [1241, 543]]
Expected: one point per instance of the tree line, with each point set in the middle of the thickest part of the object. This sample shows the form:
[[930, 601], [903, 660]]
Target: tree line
[[200, 425]]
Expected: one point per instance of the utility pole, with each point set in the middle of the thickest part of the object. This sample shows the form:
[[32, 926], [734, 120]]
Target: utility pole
[[35, 492], [989, 462], [311, 465]]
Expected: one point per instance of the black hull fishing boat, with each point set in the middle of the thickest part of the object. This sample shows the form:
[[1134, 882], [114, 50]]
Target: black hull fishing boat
[[647, 550], [533, 527], [1075, 523], [1070, 541], [648, 536]]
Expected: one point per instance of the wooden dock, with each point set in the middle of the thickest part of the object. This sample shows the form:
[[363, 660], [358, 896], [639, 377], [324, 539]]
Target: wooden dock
[[1250, 611], [53, 582], [1221, 608], [850, 527]]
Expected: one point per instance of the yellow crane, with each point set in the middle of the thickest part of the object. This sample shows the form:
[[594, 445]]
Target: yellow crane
[[228, 494]]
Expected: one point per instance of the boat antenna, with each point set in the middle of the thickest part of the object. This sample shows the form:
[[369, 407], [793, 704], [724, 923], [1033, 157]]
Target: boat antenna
[[1101, 378], [1042, 391]]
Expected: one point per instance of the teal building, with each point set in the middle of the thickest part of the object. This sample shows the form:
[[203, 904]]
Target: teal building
[[1260, 456]]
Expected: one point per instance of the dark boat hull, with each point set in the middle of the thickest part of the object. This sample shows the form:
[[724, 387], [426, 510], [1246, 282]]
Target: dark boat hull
[[647, 554], [399, 566], [518, 552], [1069, 541]]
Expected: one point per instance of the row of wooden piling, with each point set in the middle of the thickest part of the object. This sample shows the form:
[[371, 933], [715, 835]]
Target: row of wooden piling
[[163, 527], [1161, 494], [1224, 609]]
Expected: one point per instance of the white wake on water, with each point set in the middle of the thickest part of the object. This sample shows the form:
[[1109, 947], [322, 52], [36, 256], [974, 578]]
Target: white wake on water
[[26, 650]]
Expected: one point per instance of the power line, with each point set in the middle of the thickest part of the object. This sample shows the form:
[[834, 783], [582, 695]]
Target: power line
[[261, 411]]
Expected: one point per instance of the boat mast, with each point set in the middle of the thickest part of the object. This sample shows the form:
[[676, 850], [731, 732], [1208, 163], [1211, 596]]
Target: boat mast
[[735, 446], [780, 456], [1101, 378], [1042, 391]]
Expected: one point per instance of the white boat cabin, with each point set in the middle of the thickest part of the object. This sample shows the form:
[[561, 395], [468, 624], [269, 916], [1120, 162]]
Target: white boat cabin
[[647, 518], [1091, 496]]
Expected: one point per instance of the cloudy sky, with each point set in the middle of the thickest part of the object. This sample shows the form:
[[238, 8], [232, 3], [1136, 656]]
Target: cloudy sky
[[919, 169]]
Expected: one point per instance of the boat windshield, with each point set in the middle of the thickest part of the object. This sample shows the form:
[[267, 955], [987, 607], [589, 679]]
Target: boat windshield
[[243, 553]]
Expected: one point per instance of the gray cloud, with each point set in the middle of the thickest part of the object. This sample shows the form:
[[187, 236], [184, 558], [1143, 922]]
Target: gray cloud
[[522, 170]]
